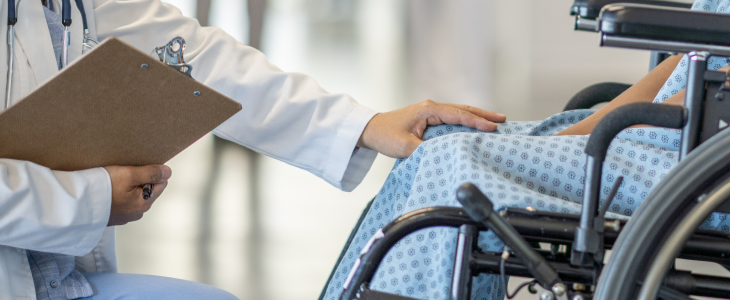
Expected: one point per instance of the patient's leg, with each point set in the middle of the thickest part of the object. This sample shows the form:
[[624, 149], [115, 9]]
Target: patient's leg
[[527, 167]]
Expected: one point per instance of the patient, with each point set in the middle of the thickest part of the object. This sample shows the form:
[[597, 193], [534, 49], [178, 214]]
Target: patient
[[539, 164]]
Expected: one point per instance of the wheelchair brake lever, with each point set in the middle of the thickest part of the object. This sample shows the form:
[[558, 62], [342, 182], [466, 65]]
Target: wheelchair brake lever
[[481, 209]]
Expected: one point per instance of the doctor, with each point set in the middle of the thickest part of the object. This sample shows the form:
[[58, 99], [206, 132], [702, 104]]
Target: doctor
[[56, 239]]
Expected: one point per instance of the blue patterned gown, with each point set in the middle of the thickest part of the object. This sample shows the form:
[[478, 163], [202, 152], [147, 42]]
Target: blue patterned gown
[[518, 165]]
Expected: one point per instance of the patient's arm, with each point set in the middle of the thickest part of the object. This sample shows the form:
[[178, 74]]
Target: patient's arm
[[678, 98], [643, 91]]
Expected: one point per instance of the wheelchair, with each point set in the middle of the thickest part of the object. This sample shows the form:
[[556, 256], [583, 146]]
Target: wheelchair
[[664, 227]]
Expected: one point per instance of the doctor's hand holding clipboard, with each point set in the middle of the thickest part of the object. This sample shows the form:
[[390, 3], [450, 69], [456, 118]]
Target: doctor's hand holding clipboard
[[128, 204]]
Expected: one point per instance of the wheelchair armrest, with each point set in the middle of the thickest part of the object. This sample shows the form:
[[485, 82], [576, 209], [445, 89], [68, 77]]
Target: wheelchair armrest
[[628, 115], [596, 94], [587, 244], [666, 27], [590, 9]]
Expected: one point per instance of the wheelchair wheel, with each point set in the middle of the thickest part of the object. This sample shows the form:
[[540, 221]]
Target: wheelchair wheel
[[657, 218]]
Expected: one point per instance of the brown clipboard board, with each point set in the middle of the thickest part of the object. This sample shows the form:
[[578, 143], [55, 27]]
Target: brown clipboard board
[[106, 109]]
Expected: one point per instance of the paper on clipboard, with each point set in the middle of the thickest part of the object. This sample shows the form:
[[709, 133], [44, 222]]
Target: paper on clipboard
[[105, 109]]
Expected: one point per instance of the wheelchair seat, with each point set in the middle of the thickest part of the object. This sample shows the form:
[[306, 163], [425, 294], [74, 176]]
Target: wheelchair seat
[[666, 24]]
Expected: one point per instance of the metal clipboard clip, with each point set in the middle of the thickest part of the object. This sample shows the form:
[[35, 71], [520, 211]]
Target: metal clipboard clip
[[88, 43], [172, 55]]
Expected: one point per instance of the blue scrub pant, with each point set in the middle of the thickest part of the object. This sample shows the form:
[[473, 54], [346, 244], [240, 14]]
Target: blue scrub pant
[[116, 286]]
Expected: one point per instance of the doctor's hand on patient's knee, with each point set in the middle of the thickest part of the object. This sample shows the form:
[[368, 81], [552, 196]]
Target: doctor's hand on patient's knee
[[398, 133], [128, 205]]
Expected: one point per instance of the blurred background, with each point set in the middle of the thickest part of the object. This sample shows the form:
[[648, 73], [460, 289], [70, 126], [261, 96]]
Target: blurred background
[[265, 230]]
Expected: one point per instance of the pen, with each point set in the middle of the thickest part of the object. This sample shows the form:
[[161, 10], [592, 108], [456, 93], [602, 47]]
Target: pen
[[147, 190]]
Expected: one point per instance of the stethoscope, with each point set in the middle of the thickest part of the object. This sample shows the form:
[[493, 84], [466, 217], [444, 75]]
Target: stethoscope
[[88, 42]]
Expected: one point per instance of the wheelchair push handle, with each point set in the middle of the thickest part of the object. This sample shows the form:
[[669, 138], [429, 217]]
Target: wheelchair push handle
[[481, 209]]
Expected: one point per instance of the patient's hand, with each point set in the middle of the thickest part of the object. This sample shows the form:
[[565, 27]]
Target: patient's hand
[[398, 133], [127, 202]]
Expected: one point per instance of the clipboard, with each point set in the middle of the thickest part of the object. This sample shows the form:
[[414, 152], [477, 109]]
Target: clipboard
[[115, 106]]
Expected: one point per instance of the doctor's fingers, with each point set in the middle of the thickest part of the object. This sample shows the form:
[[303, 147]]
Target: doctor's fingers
[[149, 174], [132, 202], [448, 114], [140, 204], [489, 115], [156, 193]]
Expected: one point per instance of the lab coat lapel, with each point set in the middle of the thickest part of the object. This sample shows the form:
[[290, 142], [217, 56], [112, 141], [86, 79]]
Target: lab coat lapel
[[32, 35]]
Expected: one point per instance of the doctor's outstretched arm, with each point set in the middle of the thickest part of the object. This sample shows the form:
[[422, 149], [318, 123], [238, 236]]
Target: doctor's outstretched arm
[[285, 115]]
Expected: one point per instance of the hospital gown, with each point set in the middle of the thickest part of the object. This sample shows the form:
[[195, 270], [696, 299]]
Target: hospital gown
[[519, 165]]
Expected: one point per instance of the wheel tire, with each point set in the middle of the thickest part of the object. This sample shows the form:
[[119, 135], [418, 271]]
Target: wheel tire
[[656, 217]]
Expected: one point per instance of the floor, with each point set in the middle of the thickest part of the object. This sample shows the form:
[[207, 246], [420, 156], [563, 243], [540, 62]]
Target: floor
[[385, 54]]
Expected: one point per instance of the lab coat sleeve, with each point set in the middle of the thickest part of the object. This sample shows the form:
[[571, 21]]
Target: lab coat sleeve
[[287, 116], [52, 211]]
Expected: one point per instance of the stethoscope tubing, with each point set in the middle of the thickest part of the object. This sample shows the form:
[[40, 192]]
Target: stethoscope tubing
[[12, 19], [11, 59], [65, 20]]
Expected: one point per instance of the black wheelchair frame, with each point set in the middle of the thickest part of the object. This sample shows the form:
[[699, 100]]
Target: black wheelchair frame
[[662, 229]]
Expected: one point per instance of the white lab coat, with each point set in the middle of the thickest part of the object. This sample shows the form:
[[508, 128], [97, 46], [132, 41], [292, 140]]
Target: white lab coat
[[287, 116]]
